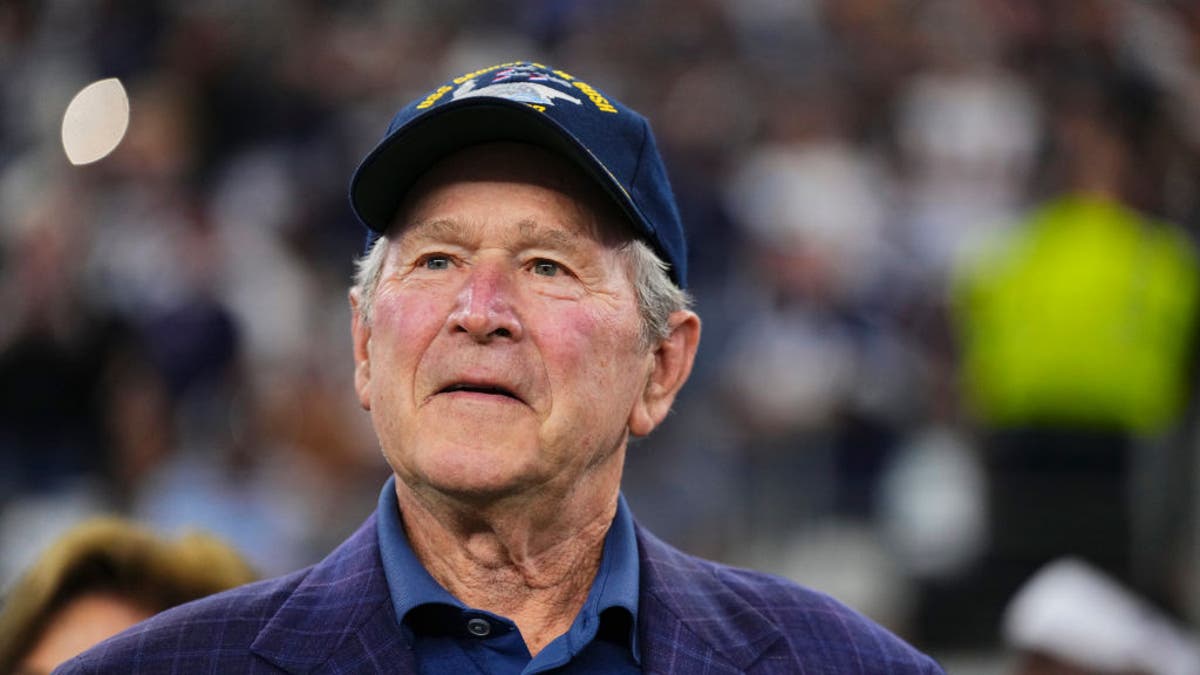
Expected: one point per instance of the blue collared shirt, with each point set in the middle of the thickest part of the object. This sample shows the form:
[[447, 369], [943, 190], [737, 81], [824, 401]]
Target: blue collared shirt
[[449, 637]]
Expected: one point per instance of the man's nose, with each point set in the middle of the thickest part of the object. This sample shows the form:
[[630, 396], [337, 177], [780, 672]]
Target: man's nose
[[484, 307]]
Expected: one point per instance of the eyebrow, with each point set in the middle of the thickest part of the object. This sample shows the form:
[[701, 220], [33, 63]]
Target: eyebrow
[[562, 240], [530, 234], [434, 230]]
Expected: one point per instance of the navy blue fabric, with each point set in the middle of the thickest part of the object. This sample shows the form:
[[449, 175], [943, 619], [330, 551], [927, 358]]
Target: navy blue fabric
[[695, 617], [532, 103], [437, 622]]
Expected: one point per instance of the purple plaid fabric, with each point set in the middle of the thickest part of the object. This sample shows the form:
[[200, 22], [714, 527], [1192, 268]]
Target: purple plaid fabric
[[699, 617], [695, 617]]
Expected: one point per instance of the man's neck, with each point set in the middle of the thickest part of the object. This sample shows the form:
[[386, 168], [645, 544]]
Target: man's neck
[[531, 562]]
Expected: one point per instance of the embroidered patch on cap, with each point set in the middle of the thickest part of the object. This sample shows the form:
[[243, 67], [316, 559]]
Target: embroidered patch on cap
[[527, 83]]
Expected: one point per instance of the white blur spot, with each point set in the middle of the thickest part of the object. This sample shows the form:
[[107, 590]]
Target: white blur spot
[[95, 121]]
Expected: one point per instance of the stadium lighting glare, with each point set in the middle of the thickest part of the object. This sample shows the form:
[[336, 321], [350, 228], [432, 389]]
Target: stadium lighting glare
[[95, 121]]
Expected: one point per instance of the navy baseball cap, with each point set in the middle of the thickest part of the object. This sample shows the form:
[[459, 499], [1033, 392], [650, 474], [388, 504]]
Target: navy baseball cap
[[536, 104]]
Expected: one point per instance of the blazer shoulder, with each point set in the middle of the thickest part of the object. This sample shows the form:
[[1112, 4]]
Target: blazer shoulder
[[766, 623], [819, 628], [295, 621], [225, 623]]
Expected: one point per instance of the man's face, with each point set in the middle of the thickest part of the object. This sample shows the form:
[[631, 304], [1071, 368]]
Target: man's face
[[504, 354]]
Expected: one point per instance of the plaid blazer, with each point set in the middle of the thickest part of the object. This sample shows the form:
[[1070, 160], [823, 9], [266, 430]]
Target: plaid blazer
[[695, 617]]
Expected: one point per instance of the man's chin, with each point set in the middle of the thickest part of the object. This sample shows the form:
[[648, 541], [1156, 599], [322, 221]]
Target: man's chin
[[479, 481]]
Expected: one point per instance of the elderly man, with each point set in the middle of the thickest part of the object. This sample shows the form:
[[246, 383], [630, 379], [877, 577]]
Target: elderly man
[[518, 315]]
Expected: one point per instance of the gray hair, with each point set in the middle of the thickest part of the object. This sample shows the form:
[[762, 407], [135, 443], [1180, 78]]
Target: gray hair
[[658, 296]]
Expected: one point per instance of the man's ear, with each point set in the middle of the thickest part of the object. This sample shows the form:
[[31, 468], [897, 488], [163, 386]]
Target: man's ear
[[360, 330], [673, 358]]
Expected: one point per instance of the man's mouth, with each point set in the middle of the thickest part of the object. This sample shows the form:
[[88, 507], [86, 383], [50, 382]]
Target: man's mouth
[[489, 389]]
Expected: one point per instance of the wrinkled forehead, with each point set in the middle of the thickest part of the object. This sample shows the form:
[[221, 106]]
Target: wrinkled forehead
[[520, 163]]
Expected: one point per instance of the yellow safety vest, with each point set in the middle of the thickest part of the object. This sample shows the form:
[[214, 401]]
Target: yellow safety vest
[[1083, 316]]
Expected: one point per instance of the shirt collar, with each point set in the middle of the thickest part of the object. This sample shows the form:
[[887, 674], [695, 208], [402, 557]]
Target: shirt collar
[[408, 581], [617, 581], [616, 584]]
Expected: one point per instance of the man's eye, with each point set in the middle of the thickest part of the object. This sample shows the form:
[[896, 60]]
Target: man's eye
[[546, 268], [436, 262]]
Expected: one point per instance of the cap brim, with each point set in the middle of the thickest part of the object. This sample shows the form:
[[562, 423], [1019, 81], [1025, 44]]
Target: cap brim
[[385, 176]]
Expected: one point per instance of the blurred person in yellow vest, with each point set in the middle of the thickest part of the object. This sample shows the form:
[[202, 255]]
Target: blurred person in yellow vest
[[1076, 332], [1083, 318], [100, 578]]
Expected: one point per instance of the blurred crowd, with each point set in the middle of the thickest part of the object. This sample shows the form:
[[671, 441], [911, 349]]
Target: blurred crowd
[[942, 249]]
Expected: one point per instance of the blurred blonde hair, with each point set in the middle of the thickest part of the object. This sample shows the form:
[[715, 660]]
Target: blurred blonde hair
[[114, 556]]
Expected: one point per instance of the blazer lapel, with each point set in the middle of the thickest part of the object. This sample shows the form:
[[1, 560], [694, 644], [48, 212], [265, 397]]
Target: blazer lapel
[[690, 621], [340, 618]]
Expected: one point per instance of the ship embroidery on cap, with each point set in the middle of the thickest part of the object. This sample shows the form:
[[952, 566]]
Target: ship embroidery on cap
[[522, 92]]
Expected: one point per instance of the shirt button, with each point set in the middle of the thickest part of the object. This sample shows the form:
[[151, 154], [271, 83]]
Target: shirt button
[[479, 627]]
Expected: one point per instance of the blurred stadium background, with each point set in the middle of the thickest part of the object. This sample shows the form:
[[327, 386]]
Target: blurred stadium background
[[943, 250]]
